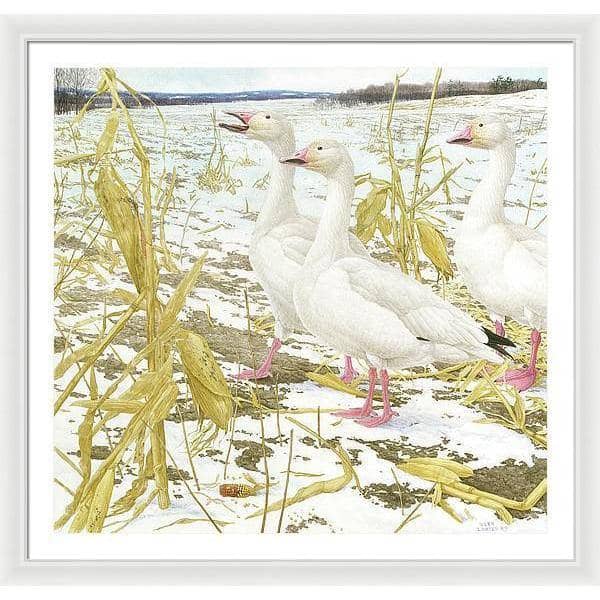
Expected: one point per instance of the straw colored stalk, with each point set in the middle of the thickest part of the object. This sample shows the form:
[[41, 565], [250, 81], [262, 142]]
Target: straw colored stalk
[[161, 399], [96, 351], [446, 474]]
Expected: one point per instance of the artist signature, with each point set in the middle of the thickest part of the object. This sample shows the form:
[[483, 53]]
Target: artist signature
[[489, 526]]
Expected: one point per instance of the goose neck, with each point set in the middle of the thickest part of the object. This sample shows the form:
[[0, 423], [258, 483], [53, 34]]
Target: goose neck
[[486, 205], [331, 240], [279, 204]]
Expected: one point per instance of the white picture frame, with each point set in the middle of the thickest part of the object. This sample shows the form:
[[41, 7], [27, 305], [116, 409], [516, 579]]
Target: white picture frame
[[21, 33]]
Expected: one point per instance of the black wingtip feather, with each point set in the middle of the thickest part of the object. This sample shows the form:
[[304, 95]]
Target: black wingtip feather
[[497, 342]]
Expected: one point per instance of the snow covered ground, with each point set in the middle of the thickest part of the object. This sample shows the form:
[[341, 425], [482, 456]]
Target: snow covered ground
[[431, 421]]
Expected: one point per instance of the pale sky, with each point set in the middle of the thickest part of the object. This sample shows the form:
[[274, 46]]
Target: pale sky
[[218, 79]]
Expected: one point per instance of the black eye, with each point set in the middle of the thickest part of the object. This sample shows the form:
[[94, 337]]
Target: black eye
[[319, 147], [267, 116], [480, 124]]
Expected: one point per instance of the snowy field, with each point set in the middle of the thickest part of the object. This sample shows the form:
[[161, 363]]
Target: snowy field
[[431, 420]]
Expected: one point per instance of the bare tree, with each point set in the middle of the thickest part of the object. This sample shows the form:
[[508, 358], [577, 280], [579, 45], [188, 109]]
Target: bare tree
[[71, 86]]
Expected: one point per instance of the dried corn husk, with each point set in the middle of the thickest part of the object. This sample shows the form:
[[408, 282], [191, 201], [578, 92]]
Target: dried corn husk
[[119, 210], [210, 391], [434, 246], [368, 212]]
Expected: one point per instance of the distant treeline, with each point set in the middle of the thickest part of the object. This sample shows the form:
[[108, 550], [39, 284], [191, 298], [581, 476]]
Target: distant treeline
[[71, 88], [74, 87], [501, 84]]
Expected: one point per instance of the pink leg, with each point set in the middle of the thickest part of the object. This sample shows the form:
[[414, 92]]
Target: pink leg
[[350, 372], [387, 413], [367, 408], [265, 369], [522, 379], [499, 328]]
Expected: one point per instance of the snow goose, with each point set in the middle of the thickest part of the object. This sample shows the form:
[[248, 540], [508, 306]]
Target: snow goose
[[370, 310], [282, 236], [503, 263]]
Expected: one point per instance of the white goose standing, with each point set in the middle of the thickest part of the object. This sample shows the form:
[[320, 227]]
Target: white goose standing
[[503, 263], [390, 319], [282, 236]]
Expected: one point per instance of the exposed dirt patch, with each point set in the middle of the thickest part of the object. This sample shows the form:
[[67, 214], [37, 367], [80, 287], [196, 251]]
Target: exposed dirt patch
[[110, 366], [354, 460], [395, 451], [134, 333], [511, 480], [233, 345], [97, 453], [79, 301], [70, 242], [391, 496], [59, 343], [308, 441], [174, 474], [252, 454], [233, 260], [300, 524]]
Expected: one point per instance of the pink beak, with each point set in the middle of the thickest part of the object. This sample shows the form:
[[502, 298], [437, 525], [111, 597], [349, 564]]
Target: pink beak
[[245, 116], [242, 127], [462, 137], [300, 158]]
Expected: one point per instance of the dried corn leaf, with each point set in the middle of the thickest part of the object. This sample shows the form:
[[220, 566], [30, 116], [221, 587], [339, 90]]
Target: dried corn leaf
[[137, 489], [80, 355], [328, 486], [138, 510], [210, 391], [156, 404], [334, 382], [189, 521], [428, 472], [479, 499], [458, 468], [177, 300], [519, 409], [113, 406], [107, 139], [100, 503], [443, 504], [434, 246]]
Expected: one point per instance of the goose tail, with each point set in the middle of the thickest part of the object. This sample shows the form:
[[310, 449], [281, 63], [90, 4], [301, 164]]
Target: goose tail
[[498, 342]]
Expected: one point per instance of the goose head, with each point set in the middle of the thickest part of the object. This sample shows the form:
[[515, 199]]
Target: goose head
[[483, 133], [322, 156], [264, 126]]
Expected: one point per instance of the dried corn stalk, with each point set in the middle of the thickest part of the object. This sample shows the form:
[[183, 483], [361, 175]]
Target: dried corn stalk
[[447, 474]]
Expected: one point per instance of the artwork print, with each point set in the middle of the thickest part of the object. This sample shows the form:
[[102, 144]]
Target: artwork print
[[300, 301]]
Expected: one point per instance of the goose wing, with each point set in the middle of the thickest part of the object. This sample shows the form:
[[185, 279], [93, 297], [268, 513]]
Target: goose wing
[[525, 267], [295, 238], [531, 241], [426, 315]]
